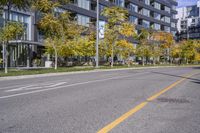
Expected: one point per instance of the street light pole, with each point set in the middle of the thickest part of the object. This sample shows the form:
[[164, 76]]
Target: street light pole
[[97, 36]]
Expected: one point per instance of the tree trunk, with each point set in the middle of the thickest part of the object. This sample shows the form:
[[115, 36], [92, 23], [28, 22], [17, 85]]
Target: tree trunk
[[187, 61], [56, 55], [112, 56], [129, 60], [170, 57], [143, 61], [56, 60], [154, 61], [171, 60], [6, 58]]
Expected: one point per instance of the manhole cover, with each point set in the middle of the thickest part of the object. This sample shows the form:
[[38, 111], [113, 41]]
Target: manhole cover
[[173, 100]]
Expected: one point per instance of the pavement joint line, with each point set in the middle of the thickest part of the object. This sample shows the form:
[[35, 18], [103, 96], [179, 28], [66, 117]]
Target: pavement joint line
[[69, 85], [140, 106]]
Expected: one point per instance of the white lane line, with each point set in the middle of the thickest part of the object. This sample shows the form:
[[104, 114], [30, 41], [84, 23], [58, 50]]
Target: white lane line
[[54, 85], [24, 85], [11, 87], [19, 89], [70, 85], [34, 87]]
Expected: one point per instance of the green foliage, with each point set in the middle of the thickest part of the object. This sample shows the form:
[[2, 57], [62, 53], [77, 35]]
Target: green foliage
[[188, 50], [48, 6], [1, 60], [19, 4], [11, 31], [115, 15], [50, 25], [143, 36], [143, 51]]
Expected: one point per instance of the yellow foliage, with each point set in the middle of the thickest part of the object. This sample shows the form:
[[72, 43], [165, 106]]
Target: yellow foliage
[[127, 29], [124, 48]]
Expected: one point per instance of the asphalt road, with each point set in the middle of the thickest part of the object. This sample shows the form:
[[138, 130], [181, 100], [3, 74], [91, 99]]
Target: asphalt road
[[119, 101]]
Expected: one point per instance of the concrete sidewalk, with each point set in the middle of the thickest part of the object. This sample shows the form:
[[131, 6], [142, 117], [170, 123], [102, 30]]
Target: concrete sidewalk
[[79, 72]]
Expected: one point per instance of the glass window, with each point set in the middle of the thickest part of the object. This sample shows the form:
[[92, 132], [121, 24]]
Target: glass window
[[20, 18], [133, 19], [119, 3], [173, 25], [167, 29], [157, 5], [167, 19], [156, 26], [147, 2], [133, 7], [84, 4], [25, 19], [145, 24], [167, 9], [83, 20], [157, 16], [14, 17], [145, 12]]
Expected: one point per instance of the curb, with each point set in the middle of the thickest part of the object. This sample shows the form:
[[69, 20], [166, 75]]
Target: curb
[[81, 72]]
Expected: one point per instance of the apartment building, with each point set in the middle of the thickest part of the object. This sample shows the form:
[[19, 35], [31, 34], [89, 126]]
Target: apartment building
[[156, 14], [188, 24]]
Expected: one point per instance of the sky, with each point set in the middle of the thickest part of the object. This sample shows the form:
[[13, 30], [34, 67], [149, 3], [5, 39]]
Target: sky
[[182, 3]]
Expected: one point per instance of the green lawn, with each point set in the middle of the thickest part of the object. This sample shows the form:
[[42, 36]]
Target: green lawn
[[18, 72]]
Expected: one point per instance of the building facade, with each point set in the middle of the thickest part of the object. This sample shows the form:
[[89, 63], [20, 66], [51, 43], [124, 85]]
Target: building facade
[[24, 49], [155, 14], [188, 24]]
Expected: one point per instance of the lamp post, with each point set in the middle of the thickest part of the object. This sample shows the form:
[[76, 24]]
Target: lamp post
[[97, 36]]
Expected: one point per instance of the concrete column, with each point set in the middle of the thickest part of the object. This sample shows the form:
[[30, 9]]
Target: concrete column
[[28, 55]]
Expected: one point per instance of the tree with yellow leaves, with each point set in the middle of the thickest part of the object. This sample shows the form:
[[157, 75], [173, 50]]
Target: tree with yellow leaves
[[9, 32], [58, 28], [143, 49], [124, 49], [188, 51], [166, 41], [116, 29]]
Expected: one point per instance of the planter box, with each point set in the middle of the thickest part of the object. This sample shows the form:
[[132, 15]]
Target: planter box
[[48, 64]]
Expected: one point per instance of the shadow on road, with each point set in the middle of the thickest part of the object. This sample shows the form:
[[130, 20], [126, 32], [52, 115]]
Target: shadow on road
[[195, 67], [195, 82], [194, 79]]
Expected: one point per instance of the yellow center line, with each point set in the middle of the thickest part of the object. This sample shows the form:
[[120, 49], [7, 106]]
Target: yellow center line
[[119, 120]]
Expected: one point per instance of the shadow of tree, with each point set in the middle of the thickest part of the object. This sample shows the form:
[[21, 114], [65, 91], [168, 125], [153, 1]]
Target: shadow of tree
[[172, 75], [195, 82], [195, 67]]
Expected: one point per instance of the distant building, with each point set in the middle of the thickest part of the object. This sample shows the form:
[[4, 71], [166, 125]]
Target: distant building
[[188, 22]]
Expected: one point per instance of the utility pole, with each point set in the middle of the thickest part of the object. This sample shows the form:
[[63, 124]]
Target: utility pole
[[97, 36], [188, 35]]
